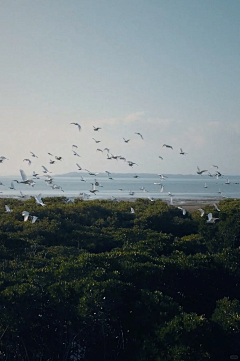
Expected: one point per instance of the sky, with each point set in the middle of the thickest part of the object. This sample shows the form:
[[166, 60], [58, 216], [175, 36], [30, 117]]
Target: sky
[[168, 69]]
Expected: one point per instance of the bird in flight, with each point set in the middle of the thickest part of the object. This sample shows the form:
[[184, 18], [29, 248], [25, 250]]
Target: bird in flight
[[182, 152], [38, 200], [160, 157], [96, 129], [139, 134], [33, 155], [126, 140], [27, 160], [183, 210], [45, 170], [25, 214], [202, 212], [167, 146], [132, 210], [75, 153], [211, 219], [78, 125], [96, 141], [201, 171], [8, 210], [216, 207]]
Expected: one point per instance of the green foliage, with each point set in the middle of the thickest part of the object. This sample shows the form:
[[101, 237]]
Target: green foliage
[[90, 280]]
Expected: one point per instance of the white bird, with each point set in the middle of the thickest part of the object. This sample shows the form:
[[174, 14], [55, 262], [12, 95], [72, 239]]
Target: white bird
[[170, 194], [139, 134], [202, 212], [126, 140], [162, 176], [82, 179], [52, 161], [85, 196], [35, 175], [8, 210], [167, 146], [93, 190], [227, 182], [22, 195], [151, 199], [205, 185], [108, 173], [132, 210], [75, 153], [38, 199], [33, 155], [78, 125], [131, 193], [201, 171], [171, 201], [216, 207], [25, 180], [211, 219], [25, 214], [45, 170], [183, 210], [34, 218]]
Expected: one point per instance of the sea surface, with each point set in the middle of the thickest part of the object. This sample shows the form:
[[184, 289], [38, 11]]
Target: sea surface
[[180, 186]]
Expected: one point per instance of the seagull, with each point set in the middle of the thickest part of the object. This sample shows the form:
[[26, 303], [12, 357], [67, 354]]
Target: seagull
[[25, 214], [216, 207], [45, 170], [162, 176], [35, 175], [34, 218], [8, 210], [171, 201], [78, 125], [201, 171], [227, 182], [139, 134], [33, 155], [27, 160], [126, 140], [79, 167], [205, 185], [82, 179], [132, 210], [211, 219], [167, 146], [96, 129], [170, 194], [216, 166], [75, 153], [38, 199], [74, 146], [136, 176], [22, 195], [131, 193], [50, 154], [182, 152], [131, 163], [160, 157], [183, 210], [96, 141], [58, 158], [93, 190], [202, 212], [52, 161], [99, 150], [84, 196], [108, 173], [107, 149]]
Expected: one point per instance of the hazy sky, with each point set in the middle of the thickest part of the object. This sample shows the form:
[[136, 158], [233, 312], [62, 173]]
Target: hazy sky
[[168, 69]]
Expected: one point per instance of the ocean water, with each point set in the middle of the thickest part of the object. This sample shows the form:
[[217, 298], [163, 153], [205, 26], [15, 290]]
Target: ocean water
[[181, 186]]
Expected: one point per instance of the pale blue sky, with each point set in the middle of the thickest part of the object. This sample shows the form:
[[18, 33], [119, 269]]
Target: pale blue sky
[[168, 69]]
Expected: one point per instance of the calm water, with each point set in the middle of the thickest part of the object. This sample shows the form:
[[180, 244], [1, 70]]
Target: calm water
[[181, 186]]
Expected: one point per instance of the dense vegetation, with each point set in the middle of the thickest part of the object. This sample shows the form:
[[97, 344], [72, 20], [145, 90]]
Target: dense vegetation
[[92, 281]]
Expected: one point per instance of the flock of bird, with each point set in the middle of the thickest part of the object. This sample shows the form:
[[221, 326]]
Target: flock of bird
[[49, 180]]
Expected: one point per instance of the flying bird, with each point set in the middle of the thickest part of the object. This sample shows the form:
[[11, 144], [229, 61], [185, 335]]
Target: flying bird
[[132, 210], [79, 167], [216, 207], [139, 134], [126, 140], [78, 125], [202, 212], [75, 153], [38, 200], [167, 146], [45, 170], [183, 210], [201, 171], [25, 214], [8, 210], [211, 219], [96, 129], [34, 218], [33, 155], [96, 141], [182, 152], [27, 160]]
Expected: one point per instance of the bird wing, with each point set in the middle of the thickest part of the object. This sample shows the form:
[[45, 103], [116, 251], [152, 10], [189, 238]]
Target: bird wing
[[23, 175], [34, 218], [209, 216], [7, 208]]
